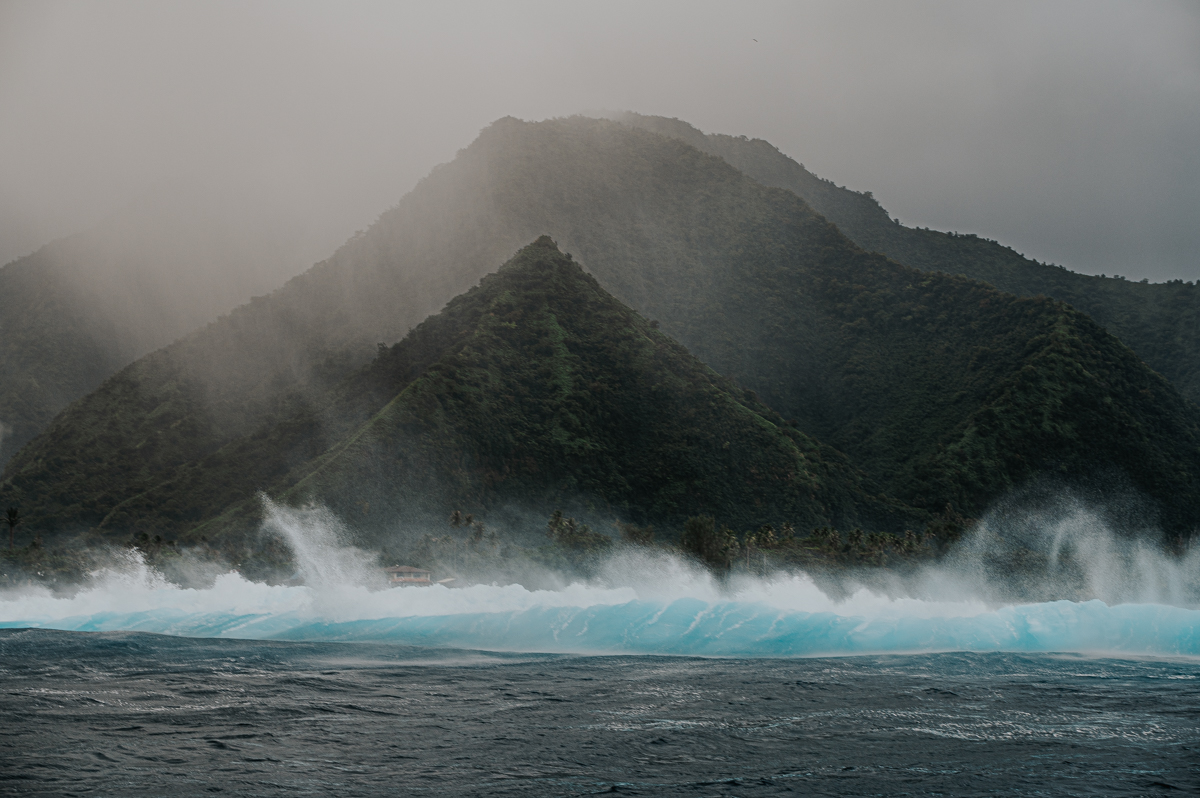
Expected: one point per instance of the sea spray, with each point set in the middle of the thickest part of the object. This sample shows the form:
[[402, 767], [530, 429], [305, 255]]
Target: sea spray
[[590, 619], [1062, 548], [652, 602], [319, 544], [781, 616]]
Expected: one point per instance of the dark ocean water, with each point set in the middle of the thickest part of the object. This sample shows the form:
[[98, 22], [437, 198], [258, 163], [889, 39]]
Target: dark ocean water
[[135, 714]]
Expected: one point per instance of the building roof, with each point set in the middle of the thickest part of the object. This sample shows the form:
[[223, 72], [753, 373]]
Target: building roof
[[406, 569]]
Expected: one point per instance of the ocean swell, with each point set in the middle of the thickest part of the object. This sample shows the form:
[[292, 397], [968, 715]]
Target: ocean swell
[[1130, 600], [784, 617]]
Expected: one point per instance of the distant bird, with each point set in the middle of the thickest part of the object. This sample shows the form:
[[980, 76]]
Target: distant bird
[[756, 40]]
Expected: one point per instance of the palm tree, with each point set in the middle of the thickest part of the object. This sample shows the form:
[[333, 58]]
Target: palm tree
[[13, 517]]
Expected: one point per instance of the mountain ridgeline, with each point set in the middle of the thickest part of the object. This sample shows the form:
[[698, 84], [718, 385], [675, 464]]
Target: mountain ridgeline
[[936, 388], [1159, 321], [534, 389]]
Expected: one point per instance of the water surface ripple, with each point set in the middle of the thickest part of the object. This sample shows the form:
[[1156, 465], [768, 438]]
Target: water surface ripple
[[136, 714]]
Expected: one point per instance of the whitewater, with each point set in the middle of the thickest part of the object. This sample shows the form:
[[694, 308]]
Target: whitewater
[[651, 603], [651, 677]]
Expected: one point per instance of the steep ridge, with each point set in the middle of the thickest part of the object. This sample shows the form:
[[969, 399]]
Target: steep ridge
[[535, 389], [82, 307], [942, 389], [1159, 321]]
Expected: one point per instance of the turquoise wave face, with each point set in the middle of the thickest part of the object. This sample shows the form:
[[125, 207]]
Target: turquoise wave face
[[547, 622], [692, 627], [1143, 604]]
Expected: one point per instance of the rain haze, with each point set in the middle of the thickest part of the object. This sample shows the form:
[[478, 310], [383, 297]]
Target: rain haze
[[1066, 130], [403, 398]]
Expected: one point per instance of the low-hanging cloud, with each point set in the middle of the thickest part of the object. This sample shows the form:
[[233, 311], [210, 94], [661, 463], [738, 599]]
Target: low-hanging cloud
[[1065, 129]]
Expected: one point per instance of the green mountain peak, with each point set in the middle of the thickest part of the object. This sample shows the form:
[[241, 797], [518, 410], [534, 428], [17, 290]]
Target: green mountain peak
[[535, 389], [942, 389], [1158, 321]]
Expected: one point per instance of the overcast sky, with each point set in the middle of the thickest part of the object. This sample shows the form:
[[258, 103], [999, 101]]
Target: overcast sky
[[1068, 130]]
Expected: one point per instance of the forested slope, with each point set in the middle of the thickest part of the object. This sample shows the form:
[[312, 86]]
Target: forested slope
[[534, 390], [1159, 321], [941, 388]]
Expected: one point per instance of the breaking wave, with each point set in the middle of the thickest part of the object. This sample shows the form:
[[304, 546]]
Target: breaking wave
[[639, 604]]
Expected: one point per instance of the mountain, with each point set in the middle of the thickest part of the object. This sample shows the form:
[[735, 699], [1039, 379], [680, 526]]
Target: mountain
[[82, 307], [940, 388], [1159, 321], [534, 390]]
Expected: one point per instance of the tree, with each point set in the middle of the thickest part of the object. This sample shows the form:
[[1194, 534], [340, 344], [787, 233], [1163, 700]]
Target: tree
[[856, 540], [828, 537], [637, 535], [750, 543], [575, 535], [556, 525], [763, 540], [878, 544], [13, 517], [702, 538], [949, 525]]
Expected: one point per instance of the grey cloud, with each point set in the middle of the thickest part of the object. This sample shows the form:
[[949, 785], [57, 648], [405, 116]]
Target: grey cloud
[[1065, 129]]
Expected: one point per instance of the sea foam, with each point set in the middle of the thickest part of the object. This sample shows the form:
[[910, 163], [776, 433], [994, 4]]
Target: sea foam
[[783, 617], [646, 602]]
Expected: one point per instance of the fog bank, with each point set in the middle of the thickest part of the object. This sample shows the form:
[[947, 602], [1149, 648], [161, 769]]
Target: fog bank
[[1064, 129]]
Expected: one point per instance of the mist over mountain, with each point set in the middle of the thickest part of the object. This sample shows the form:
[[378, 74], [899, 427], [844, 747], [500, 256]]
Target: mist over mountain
[[358, 431], [941, 389], [82, 307], [1159, 321], [534, 389]]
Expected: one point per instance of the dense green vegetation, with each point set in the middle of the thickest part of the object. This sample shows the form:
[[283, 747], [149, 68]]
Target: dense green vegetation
[[534, 389], [547, 389], [571, 547], [941, 389], [1159, 321]]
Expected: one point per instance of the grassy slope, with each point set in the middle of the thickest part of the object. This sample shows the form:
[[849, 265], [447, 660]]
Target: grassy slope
[[893, 366], [1159, 321]]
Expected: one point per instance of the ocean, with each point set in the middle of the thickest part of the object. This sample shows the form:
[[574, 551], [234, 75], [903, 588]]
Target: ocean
[[651, 677], [138, 714]]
